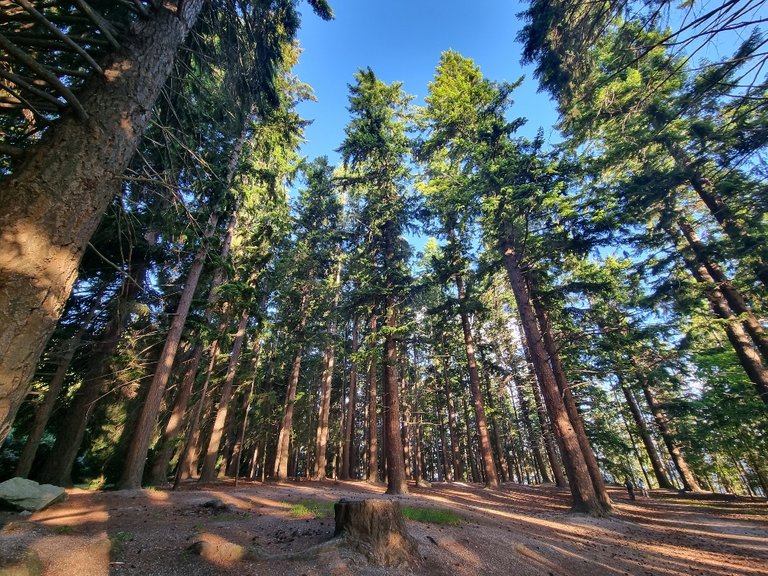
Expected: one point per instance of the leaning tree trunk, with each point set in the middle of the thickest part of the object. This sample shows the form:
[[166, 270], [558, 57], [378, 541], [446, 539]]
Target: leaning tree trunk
[[486, 452], [44, 411], [689, 481], [208, 472], [58, 469], [568, 400], [52, 205], [585, 497], [142, 435], [286, 426], [645, 435]]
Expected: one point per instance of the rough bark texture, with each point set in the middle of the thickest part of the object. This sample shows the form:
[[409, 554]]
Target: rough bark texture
[[373, 427], [376, 529], [347, 464], [486, 452], [396, 477], [585, 498], [689, 481], [645, 435], [52, 205], [214, 442], [142, 435], [570, 403]]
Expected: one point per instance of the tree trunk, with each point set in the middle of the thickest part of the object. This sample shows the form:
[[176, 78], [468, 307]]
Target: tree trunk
[[585, 498], [142, 436], [58, 469], [568, 400], [396, 478], [349, 423], [686, 476], [645, 435], [44, 411], [486, 452], [52, 205], [208, 472], [373, 431], [535, 439]]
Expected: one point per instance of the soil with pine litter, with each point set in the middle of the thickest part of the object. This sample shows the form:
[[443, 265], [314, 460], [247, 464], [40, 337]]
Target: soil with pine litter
[[516, 530]]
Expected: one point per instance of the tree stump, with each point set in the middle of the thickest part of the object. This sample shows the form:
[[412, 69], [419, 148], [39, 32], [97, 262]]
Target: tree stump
[[376, 529]]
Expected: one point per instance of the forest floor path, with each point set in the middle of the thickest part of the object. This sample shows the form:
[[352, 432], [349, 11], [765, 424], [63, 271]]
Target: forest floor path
[[514, 531]]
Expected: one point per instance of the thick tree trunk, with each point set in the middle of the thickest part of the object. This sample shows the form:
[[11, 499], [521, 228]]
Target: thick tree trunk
[[142, 436], [349, 421], [486, 452], [286, 426], [52, 205], [645, 435], [44, 411], [208, 472], [569, 401], [396, 477], [58, 469], [686, 476], [373, 429], [585, 498]]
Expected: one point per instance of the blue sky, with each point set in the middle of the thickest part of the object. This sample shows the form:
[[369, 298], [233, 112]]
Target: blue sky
[[402, 41]]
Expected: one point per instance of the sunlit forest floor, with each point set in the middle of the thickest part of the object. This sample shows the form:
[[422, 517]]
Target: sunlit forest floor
[[517, 530]]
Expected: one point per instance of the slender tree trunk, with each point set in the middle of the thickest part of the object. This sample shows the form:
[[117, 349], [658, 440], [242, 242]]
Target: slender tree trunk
[[686, 476], [373, 432], [458, 470], [286, 426], [645, 435], [538, 457], [486, 452], [396, 478], [497, 432], [568, 400], [44, 411], [349, 423], [208, 472], [585, 498], [53, 203], [58, 469], [142, 436]]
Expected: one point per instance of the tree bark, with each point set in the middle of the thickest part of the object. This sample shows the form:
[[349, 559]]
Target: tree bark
[[568, 400], [142, 436], [58, 470], [396, 477], [535, 439], [44, 411], [585, 498], [208, 472], [645, 435], [686, 476], [349, 421], [373, 429], [486, 452], [51, 206]]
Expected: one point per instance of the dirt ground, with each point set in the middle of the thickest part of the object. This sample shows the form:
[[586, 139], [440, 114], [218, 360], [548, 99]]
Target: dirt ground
[[513, 531]]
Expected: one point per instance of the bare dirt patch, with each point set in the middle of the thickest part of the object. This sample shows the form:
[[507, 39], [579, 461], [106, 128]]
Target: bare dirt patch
[[517, 530]]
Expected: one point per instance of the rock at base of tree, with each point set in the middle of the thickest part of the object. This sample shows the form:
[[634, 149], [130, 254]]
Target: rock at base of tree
[[23, 494], [376, 529]]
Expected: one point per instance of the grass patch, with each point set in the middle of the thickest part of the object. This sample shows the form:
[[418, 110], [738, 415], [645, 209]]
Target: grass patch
[[118, 541], [311, 508], [64, 530], [432, 516]]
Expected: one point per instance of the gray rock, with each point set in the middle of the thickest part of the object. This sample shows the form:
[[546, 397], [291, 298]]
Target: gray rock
[[23, 494]]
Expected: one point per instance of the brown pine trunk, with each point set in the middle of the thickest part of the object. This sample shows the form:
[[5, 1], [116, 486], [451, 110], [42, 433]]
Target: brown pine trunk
[[208, 472], [44, 411], [53, 203], [486, 452], [497, 432], [324, 414], [349, 422], [686, 476], [585, 498], [373, 430], [568, 400], [142, 436], [58, 469], [535, 439], [645, 435], [286, 426], [396, 478], [453, 432]]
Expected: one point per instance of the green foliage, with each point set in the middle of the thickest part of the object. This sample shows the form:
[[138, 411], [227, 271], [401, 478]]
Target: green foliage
[[439, 516], [311, 508]]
